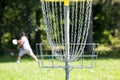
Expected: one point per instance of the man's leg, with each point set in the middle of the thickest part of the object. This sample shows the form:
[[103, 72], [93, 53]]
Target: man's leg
[[20, 54], [19, 58], [34, 57]]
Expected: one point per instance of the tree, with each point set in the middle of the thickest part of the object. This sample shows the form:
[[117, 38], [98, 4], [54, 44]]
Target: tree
[[16, 16], [3, 4], [105, 15]]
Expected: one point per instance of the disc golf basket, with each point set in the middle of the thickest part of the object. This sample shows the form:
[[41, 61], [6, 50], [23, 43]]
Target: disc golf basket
[[67, 23]]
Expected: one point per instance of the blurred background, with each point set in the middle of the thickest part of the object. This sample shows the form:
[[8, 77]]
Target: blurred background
[[26, 15]]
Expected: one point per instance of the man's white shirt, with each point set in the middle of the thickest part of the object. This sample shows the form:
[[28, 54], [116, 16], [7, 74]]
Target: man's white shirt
[[26, 44]]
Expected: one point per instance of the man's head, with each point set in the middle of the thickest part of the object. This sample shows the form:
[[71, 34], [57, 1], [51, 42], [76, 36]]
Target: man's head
[[23, 34]]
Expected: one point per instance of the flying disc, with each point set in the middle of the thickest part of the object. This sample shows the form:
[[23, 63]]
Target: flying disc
[[14, 41]]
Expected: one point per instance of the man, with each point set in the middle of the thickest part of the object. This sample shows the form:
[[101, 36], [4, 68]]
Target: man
[[25, 48]]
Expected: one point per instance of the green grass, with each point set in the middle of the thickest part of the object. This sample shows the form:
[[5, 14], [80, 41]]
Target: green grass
[[105, 69]]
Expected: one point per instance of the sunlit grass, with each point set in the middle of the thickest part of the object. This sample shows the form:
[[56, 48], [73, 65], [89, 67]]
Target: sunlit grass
[[105, 69]]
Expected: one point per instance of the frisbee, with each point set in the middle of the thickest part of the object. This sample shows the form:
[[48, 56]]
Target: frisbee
[[14, 41]]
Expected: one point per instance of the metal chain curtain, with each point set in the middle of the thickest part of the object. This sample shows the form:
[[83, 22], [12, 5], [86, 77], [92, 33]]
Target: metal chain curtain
[[79, 20]]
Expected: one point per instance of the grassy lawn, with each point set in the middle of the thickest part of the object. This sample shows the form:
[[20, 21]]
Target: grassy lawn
[[105, 69]]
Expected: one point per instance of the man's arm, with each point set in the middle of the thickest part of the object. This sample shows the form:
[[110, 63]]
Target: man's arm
[[20, 43]]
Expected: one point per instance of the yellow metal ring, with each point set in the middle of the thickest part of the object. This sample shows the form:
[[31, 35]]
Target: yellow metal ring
[[66, 2]]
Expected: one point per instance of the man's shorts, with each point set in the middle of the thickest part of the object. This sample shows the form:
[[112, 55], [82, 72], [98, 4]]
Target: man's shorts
[[23, 51]]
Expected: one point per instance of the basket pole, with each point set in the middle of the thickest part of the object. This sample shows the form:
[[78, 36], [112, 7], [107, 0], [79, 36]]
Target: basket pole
[[67, 63]]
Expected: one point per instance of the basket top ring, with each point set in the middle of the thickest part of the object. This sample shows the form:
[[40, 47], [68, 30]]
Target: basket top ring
[[66, 2]]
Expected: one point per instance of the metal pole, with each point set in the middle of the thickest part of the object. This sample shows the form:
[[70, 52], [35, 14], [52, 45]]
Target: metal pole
[[67, 63]]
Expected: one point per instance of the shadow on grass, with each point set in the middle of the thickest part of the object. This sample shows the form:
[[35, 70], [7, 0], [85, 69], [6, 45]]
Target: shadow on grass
[[115, 53], [112, 54], [7, 59]]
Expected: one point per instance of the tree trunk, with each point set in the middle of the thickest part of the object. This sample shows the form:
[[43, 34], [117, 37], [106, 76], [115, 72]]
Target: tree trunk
[[38, 31], [90, 35]]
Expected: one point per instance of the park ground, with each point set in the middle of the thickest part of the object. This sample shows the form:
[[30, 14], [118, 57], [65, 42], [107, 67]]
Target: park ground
[[28, 69]]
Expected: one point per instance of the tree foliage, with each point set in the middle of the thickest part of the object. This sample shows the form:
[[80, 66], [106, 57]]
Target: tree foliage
[[25, 15], [106, 15], [16, 16]]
